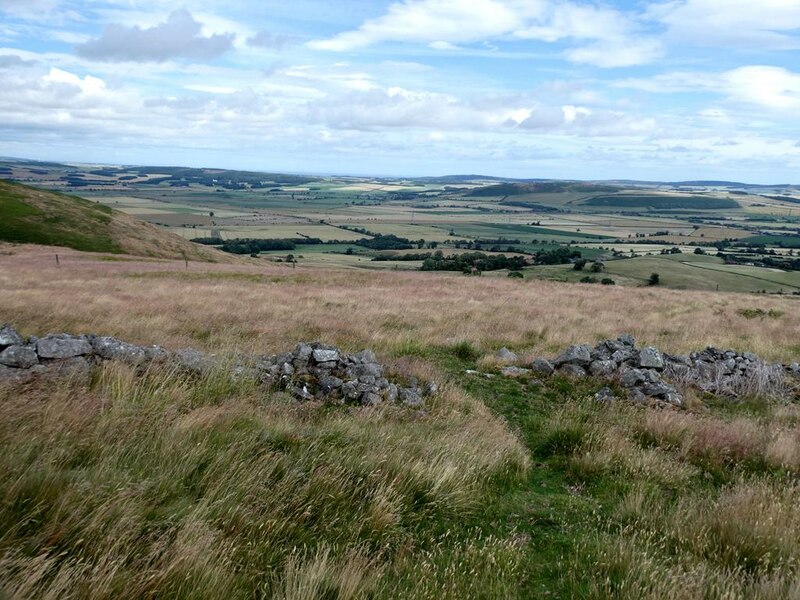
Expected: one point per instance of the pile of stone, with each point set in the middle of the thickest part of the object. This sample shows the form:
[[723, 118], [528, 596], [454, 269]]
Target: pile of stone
[[310, 372], [648, 375], [316, 371]]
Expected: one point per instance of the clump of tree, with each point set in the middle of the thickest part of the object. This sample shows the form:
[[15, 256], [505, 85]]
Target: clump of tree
[[470, 261], [654, 279], [558, 256], [410, 256], [385, 242]]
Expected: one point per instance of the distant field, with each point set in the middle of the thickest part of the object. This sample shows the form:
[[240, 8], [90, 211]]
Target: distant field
[[541, 215], [662, 202]]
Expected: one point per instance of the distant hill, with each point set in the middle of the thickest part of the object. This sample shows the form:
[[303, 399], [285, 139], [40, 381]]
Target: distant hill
[[34, 216], [543, 187]]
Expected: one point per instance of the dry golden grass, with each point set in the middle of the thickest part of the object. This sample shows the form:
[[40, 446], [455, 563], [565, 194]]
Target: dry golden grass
[[163, 485], [270, 307]]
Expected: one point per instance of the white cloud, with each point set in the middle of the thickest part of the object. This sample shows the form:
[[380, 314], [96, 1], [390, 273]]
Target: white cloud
[[769, 87], [180, 36], [617, 53], [430, 21], [88, 85], [757, 24], [443, 24]]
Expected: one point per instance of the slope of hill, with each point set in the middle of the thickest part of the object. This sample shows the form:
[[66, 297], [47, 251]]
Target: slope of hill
[[33, 216]]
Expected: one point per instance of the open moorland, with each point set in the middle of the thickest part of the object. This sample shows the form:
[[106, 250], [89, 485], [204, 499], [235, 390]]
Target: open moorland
[[705, 235], [133, 484]]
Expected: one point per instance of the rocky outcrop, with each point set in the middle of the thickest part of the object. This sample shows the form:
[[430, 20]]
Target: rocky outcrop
[[648, 375], [310, 372]]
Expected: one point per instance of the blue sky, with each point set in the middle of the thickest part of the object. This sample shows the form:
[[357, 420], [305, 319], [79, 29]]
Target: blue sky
[[668, 89]]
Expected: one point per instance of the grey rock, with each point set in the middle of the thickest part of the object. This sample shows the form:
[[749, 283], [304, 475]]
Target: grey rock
[[621, 356], [650, 358], [601, 352], [675, 398], [365, 356], [628, 377], [350, 390], [392, 393], [636, 395], [580, 355], [63, 345], [10, 337], [410, 397], [677, 360], [367, 370], [302, 352], [193, 360], [301, 392], [329, 384], [793, 368], [370, 399], [156, 354], [627, 340], [603, 368], [327, 366], [431, 389], [571, 370], [657, 390], [322, 355], [514, 372], [615, 346], [75, 367], [111, 348], [20, 357], [542, 366], [651, 376], [506, 355], [14, 375]]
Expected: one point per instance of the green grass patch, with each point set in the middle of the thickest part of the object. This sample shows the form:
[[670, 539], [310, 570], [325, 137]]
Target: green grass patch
[[63, 221]]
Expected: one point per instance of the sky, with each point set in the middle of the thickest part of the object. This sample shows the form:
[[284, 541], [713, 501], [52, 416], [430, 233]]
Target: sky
[[573, 89]]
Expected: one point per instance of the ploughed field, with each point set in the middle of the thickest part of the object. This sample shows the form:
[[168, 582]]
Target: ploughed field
[[134, 484]]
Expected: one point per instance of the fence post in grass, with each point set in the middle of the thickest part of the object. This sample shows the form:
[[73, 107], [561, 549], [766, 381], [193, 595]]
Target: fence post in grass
[[58, 264]]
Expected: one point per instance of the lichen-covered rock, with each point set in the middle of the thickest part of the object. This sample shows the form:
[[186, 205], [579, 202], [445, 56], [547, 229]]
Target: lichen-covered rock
[[630, 377], [10, 337], [650, 358], [579, 355], [410, 397], [111, 348], [603, 368], [20, 357], [62, 346], [626, 339], [323, 355], [156, 354]]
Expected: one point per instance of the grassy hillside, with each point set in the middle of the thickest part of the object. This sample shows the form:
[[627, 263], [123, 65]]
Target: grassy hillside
[[160, 485], [33, 216]]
